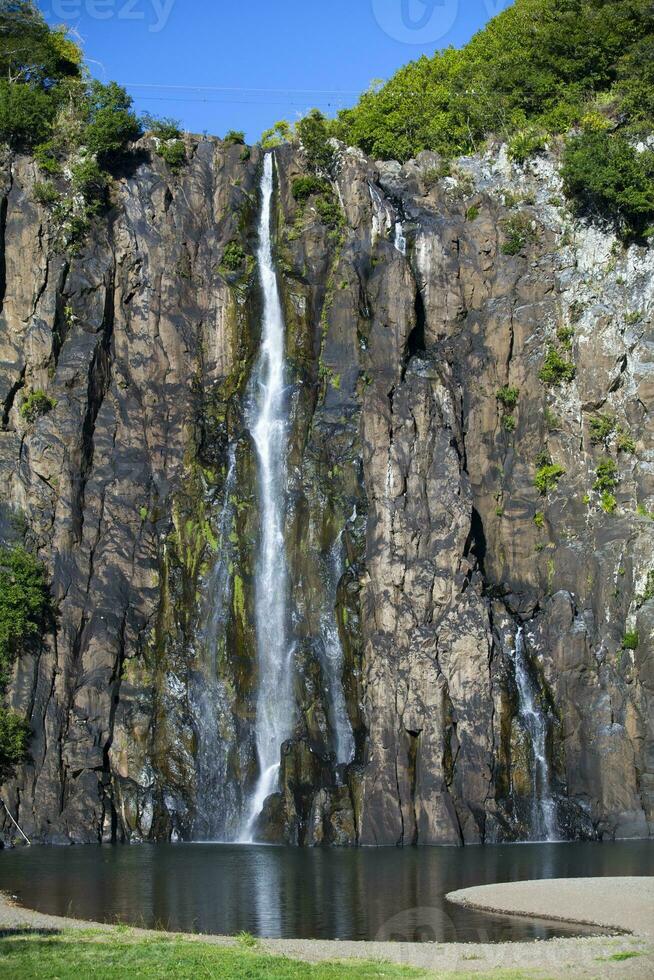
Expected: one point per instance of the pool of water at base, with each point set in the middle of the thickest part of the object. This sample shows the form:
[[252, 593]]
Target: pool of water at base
[[369, 893]]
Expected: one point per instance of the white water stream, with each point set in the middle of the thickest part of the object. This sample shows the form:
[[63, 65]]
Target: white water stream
[[268, 423], [534, 724]]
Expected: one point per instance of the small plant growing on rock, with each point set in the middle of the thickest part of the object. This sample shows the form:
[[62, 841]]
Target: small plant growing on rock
[[525, 144], [173, 153], [625, 443], [472, 213], [539, 519], [45, 193], [509, 423], [564, 336], [630, 640], [35, 405], [519, 231], [164, 128], [547, 478], [508, 397], [233, 256], [608, 503], [432, 175], [601, 428], [648, 592], [552, 421], [556, 370], [302, 188], [642, 511], [234, 137], [607, 476]]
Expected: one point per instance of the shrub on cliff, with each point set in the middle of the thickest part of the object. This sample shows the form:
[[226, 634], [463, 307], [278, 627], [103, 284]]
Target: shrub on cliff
[[24, 612], [314, 134], [608, 178], [531, 70], [35, 405]]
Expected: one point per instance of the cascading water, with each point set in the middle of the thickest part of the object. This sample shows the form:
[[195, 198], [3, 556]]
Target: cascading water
[[534, 723], [268, 427], [400, 238], [333, 660]]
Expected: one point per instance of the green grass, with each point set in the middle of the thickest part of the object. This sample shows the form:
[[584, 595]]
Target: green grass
[[90, 953], [618, 957]]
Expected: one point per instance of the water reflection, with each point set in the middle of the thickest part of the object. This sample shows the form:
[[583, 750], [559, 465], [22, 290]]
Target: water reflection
[[268, 891]]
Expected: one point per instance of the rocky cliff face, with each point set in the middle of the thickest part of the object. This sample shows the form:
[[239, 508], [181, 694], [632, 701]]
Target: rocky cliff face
[[418, 544]]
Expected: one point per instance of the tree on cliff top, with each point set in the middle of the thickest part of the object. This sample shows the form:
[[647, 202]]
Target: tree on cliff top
[[540, 62]]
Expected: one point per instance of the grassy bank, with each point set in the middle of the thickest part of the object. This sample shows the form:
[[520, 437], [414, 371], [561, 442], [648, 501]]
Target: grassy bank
[[123, 954]]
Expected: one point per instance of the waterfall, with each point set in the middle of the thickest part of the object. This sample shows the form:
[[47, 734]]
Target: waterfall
[[534, 723], [333, 660], [267, 420], [400, 239]]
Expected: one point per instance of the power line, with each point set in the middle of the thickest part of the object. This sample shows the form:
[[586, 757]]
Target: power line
[[297, 105], [235, 88]]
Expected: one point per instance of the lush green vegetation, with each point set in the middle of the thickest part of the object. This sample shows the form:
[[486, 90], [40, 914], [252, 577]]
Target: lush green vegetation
[[630, 640], [233, 256], [71, 955], [541, 70], [35, 405], [556, 370], [508, 396], [547, 477], [537, 68], [607, 476], [24, 613]]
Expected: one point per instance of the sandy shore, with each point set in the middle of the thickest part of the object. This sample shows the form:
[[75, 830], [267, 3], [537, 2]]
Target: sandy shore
[[620, 903]]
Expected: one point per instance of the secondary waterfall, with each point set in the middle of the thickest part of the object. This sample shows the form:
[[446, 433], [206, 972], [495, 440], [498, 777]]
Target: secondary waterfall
[[333, 659], [534, 723], [268, 426]]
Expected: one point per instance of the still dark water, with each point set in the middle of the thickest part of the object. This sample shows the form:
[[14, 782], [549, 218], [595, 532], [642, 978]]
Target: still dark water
[[329, 894]]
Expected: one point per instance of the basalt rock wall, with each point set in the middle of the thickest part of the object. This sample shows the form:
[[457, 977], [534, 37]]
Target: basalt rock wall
[[417, 541]]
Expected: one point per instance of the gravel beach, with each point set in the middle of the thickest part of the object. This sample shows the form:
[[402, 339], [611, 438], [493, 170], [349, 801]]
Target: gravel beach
[[624, 904]]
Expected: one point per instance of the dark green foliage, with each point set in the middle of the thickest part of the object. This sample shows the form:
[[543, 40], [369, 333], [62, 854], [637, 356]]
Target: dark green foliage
[[30, 52], [329, 210], [112, 124], [303, 187], [508, 396], [314, 134], [174, 153], [233, 257], [89, 180], [532, 69], [45, 193], [648, 592], [14, 735], [601, 428], [519, 231], [607, 476], [163, 128], [24, 613], [607, 178], [472, 213], [24, 604], [35, 405], [556, 370], [526, 143], [630, 640], [235, 137], [547, 477], [46, 155], [26, 113]]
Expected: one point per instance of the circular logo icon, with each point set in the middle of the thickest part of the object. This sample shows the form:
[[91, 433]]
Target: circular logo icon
[[415, 21], [418, 925]]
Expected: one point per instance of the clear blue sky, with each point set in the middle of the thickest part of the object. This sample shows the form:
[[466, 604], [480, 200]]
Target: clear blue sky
[[242, 64]]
